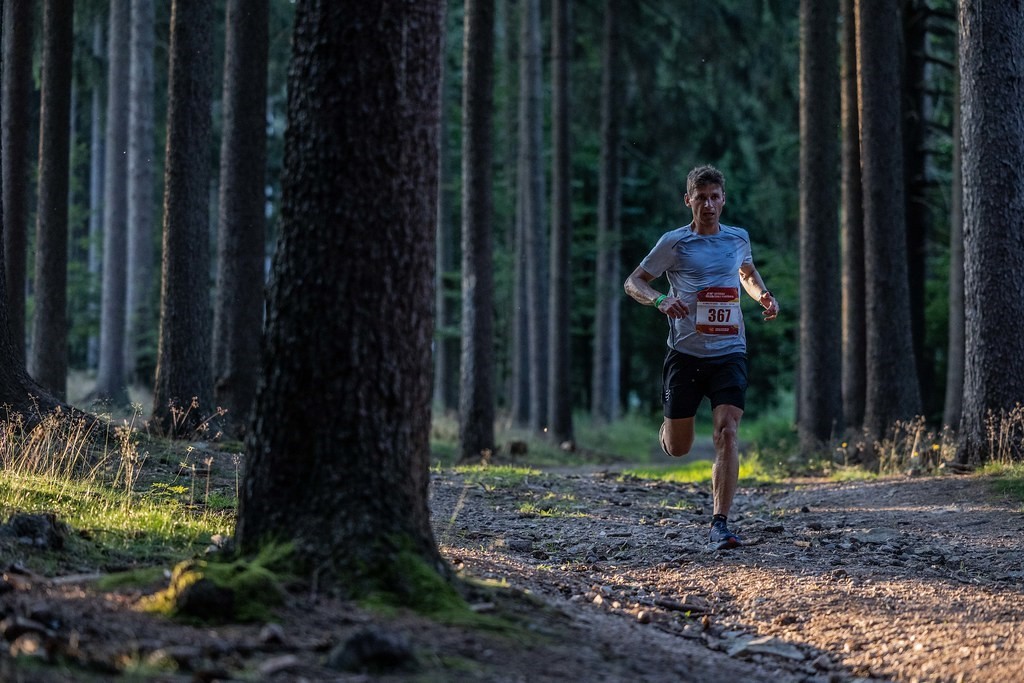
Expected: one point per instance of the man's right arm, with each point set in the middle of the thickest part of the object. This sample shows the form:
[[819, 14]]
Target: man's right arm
[[638, 286]]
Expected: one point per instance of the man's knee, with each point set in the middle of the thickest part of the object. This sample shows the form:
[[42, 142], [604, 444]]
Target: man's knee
[[675, 445], [725, 435]]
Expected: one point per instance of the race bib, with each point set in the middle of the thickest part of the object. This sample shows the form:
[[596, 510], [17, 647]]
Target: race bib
[[718, 310]]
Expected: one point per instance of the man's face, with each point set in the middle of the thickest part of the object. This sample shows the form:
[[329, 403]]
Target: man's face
[[706, 202]]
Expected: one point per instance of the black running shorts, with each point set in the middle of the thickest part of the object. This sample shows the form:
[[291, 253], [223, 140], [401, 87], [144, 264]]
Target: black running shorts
[[688, 379]]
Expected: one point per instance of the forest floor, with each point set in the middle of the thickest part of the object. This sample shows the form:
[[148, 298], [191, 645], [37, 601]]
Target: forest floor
[[590, 574]]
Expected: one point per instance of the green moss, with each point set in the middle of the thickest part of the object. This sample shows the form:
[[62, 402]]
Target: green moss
[[410, 582], [250, 588]]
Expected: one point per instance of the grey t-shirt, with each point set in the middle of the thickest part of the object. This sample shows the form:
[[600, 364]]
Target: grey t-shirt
[[703, 271]]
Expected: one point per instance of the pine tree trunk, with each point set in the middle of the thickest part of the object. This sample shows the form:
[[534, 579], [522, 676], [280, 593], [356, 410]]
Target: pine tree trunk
[[853, 295], [892, 389], [531, 139], [97, 145], [22, 397], [341, 470], [17, 90], [183, 392], [953, 410], [238, 314], [447, 280], [915, 155], [476, 395], [604, 405], [992, 82], [140, 318], [49, 357], [820, 311], [560, 295], [110, 380]]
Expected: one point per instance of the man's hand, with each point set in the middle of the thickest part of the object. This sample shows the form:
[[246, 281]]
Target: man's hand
[[770, 305], [674, 307]]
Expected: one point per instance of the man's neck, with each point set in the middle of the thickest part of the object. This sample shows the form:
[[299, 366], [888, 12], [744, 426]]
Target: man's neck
[[705, 229]]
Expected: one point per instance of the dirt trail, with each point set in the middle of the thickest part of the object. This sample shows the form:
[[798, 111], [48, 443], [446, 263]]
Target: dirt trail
[[910, 579], [898, 579]]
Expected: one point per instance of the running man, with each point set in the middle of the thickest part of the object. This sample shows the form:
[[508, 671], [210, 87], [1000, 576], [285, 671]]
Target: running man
[[705, 263]]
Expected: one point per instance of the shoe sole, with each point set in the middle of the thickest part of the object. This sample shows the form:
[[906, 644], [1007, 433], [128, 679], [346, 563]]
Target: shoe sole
[[727, 544]]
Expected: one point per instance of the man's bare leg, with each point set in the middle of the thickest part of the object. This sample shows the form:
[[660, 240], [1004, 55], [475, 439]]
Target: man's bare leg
[[726, 470], [676, 436]]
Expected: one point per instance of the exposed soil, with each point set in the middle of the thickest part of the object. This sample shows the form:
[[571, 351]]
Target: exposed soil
[[608, 578]]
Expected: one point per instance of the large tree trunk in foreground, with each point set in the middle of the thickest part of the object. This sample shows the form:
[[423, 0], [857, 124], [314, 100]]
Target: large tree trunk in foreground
[[183, 392], [992, 82], [339, 452]]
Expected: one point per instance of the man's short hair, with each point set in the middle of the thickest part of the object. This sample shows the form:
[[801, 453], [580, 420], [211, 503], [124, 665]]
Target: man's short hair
[[704, 175]]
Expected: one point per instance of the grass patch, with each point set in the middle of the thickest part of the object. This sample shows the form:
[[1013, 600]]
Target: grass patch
[[493, 477], [1008, 478], [100, 484], [752, 472], [552, 505]]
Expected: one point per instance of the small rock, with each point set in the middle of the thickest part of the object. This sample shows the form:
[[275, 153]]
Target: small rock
[[644, 617], [272, 634], [42, 530], [373, 651], [822, 663], [28, 645], [205, 600], [275, 665], [767, 646], [878, 536]]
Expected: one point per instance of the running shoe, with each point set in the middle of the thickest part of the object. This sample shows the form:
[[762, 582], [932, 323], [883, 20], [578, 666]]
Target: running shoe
[[723, 539]]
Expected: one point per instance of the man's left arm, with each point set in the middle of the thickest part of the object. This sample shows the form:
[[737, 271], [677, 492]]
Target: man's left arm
[[756, 289]]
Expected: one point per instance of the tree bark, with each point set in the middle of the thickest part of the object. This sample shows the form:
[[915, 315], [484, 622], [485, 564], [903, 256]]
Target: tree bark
[[918, 217], [17, 89], [110, 379], [992, 83], [183, 392], [953, 410], [853, 284], [447, 279], [238, 314], [820, 311], [476, 395], [49, 357], [97, 145], [19, 394], [604, 406], [342, 471], [560, 294], [892, 389], [140, 318], [531, 141]]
